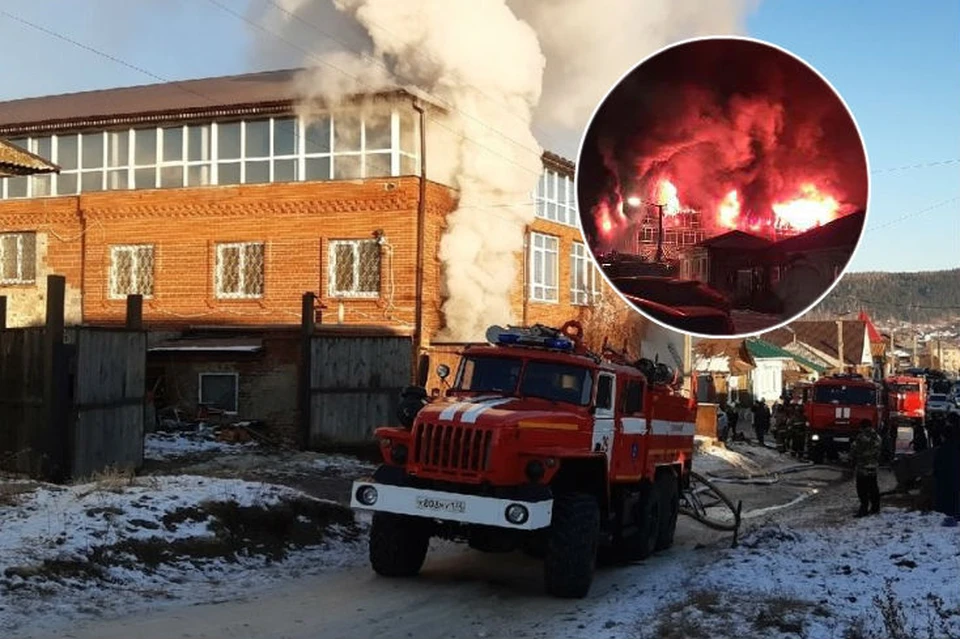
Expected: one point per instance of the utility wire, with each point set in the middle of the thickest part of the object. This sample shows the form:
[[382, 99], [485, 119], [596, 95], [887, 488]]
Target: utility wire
[[908, 216], [922, 165]]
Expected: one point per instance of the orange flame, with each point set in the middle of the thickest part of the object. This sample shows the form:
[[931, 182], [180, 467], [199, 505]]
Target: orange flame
[[812, 208], [667, 195], [729, 210]]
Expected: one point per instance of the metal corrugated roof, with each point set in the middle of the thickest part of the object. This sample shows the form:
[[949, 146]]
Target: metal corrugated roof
[[761, 349], [15, 161]]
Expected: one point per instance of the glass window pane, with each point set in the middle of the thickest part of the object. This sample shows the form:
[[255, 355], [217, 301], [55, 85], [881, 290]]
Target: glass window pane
[[173, 144], [346, 133], [369, 267], [343, 269], [377, 165], [198, 175], [91, 181], [258, 139], [229, 269], [145, 146], [199, 146], [17, 187], [377, 131], [43, 147], [117, 179], [171, 177], [285, 136], [92, 150], [346, 167], [228, 141], [228, 173], [409, 137], [257, 172], [145, 178], [284, 170], [66, 183], [118, 148], [317, 136], [42, 186], [409, 165], [67, 148], [317, 169]]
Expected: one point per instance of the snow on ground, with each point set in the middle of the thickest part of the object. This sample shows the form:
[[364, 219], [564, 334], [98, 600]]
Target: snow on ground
[[739, 459], [163, 446], [821, 582], [83, 548]]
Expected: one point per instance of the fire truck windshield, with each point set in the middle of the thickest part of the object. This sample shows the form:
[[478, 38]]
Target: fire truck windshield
[[846, 395], [545, 380], [905, 388]]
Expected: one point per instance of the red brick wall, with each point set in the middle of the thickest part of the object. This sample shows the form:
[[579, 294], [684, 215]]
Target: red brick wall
[[60, 238]]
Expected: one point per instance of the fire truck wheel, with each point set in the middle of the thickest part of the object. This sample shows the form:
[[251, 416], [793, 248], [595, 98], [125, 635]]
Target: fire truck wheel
[[669, 495], [651, 514], [572, 541], [398, 545]]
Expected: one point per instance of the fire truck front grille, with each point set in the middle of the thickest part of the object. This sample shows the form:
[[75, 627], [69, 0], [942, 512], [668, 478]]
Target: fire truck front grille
[[452, 449]]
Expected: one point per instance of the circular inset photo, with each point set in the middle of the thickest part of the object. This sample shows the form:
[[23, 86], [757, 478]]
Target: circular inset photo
[[722, 186]]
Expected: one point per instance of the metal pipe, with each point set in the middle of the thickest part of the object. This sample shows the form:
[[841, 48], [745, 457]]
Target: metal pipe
[[421, 241]]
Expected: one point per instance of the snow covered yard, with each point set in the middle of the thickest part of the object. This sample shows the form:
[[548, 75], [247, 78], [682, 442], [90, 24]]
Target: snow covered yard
[[166, 446], [890, 576], [119, 543]]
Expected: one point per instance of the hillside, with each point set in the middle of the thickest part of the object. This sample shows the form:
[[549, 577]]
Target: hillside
[[912, 297]]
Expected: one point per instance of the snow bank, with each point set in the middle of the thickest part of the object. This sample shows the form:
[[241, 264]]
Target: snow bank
[[92, 548], [738, 460], [843, 577], [164, 446]]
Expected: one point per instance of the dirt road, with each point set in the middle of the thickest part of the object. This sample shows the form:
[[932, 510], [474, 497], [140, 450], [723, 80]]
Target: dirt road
[[463, 593]]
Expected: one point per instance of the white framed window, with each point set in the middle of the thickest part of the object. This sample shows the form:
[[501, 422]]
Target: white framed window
[[544, 267], [18, 258], [239, 270], [584, 279], [555, 199], [220, 391], [354, 268], [379, 142], [131, 271]]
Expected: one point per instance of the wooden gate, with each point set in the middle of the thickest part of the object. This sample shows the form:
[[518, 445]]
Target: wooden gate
[[355, 383]]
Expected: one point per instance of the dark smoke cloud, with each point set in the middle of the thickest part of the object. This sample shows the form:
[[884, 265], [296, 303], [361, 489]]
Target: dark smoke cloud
[[717, 115]]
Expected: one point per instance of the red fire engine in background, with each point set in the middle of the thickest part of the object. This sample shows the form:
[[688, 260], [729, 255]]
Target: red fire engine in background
[[905, 400], [539, 445], [837, 408]]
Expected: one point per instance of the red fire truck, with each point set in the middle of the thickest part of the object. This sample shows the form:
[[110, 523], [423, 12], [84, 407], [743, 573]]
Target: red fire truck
[[905, 400], [539, 445], [836, 410]]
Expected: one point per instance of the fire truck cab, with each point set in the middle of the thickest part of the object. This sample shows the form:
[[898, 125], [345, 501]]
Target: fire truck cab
[[905, 400], [837, 408], [539, 445]]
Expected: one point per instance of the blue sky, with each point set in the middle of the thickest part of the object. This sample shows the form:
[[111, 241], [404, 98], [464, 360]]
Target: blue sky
[[896, 67]]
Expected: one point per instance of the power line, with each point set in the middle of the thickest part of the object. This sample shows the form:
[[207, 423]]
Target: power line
[[914, 214], [922, 165]]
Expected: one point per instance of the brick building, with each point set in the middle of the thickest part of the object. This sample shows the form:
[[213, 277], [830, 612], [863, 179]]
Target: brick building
[[221, 205]]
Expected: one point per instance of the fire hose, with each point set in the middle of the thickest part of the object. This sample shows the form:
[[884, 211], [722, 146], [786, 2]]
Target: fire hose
[[702, 495]]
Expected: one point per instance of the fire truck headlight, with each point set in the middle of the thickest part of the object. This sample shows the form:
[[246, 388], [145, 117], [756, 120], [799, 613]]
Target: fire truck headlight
[[399, 454], [535, 471], [367, 495], [814, 438], [517, 514]]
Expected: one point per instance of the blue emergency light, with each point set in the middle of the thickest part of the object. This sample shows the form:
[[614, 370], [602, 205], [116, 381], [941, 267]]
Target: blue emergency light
[[527, 337]]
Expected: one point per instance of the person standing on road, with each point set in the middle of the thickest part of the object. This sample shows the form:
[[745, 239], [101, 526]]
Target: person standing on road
[[761, 420], [733, 416], [865, 452], [946, 470]]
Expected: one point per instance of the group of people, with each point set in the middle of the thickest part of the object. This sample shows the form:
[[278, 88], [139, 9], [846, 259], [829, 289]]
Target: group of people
[[729, 418]]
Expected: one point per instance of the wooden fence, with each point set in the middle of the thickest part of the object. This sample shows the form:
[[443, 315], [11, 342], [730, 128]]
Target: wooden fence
[[71, 399]]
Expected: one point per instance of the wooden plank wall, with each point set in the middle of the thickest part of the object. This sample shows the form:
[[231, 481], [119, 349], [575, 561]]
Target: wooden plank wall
[[22, 413], [355, 382], [109, 389]]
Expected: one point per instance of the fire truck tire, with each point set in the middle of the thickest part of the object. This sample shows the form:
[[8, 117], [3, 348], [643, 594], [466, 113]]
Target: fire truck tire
[[669, 495], [398, 545], [650, 521], [572, 541]]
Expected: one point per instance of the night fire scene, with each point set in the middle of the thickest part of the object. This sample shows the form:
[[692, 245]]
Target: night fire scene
[[723, 186], [479, 318]]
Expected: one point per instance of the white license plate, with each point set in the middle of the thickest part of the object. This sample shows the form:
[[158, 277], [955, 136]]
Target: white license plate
[[434, 505], [841, 439]]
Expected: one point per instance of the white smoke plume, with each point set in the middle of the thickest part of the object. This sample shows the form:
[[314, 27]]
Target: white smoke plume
[[503, 68]]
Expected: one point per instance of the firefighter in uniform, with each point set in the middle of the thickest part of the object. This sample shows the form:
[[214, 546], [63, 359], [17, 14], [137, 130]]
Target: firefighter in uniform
[[865, 452], [781, 418], [798, 429]]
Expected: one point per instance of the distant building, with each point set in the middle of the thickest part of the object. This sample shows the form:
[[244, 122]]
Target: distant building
[[820, 341], [731, 263]]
